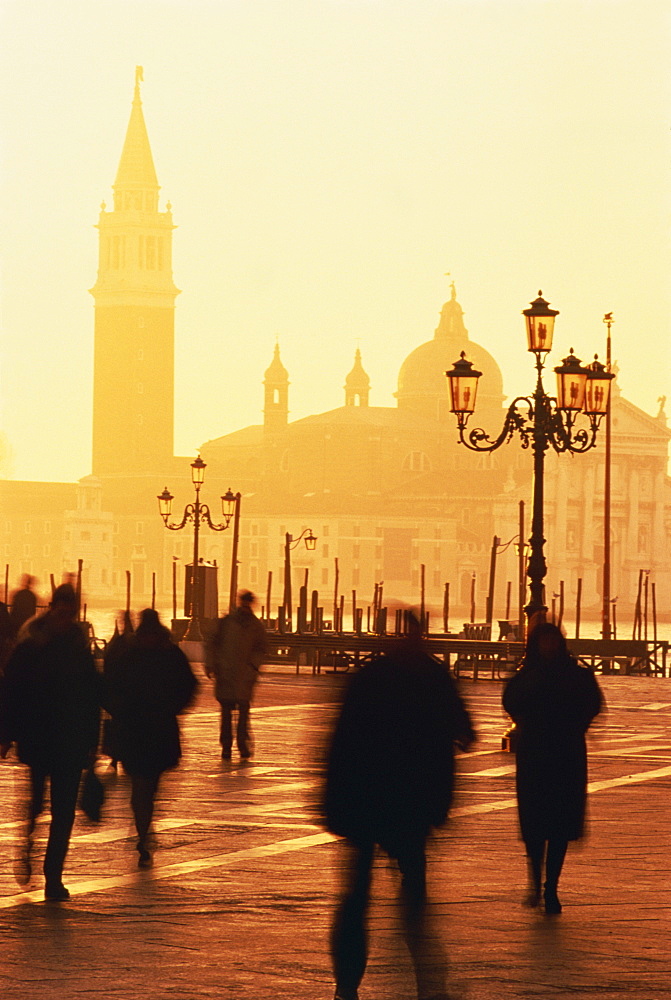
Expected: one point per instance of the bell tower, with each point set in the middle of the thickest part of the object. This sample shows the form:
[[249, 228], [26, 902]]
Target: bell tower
[[276, 395], [133, 381]]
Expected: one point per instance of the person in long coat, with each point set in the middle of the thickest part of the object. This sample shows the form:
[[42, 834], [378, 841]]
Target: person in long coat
[[552, 700], [50, 707], [149, 684], [233, 657], [390, 775]]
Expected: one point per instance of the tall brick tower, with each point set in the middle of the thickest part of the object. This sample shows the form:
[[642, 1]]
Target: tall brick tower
[[133, 382]]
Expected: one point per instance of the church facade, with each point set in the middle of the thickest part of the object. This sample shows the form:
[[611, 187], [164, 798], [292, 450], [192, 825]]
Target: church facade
[[392, 497]]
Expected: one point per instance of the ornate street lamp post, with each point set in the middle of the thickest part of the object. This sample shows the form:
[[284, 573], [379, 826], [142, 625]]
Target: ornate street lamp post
[[540, 420], [290, 543], [199, 512]]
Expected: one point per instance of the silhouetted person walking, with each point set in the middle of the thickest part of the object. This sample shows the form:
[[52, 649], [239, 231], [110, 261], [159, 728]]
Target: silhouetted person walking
[[50, 707], [389, 781], [148, 684], [6, 636], [23, 603], [114, 651], [552, 700], [233, 657]]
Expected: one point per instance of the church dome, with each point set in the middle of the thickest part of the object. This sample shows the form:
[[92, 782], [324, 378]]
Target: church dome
[[422, 385]]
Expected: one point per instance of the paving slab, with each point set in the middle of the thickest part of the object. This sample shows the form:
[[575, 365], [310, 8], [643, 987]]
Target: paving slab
[[239, 901]]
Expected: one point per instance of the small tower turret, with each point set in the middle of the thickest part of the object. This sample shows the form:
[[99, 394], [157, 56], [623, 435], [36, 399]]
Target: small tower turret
[[357, 384], [276, 395]]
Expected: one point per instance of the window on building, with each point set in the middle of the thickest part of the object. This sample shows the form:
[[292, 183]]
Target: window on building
[[47, 527], [378, 551], [151, 253], [85, 536], [356, 530], [26, 550], [417, 461], [103, 575], [254, 550], [46, 550], [436, 578], [437, 533], [355, 576], [643, 538], [255, 529], [379, 532], [325, 551], [356, 551], [253, 574], [27, 527], [139, 527], [325, 576]]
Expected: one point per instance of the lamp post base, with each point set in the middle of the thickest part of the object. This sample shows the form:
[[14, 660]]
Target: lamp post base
[[193, 632]]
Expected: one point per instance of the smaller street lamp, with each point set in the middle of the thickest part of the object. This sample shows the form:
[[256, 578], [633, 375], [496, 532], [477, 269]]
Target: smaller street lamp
[[290, 543], [199, 512]]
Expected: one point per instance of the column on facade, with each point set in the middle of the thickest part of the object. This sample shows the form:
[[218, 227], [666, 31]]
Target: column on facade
[[560, 526], [589, 568], [661, 572], [631, 560]]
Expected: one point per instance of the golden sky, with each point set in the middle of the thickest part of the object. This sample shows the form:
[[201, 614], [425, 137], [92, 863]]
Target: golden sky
[[327, 163]]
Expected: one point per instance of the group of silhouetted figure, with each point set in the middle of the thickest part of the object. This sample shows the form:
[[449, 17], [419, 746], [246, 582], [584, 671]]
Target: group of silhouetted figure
[[52, 695], [389, 768]]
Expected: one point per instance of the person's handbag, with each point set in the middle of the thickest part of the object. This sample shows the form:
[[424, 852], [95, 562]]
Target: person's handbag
[[92, 795]]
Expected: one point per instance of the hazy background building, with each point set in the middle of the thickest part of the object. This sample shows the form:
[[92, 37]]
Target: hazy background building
[[390, 494]]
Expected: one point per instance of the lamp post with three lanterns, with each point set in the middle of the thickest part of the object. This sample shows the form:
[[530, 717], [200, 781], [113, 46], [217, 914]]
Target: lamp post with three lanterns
[[200, 513], [540, 420]]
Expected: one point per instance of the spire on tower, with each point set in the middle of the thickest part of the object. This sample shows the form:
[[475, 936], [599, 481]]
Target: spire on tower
[[136, 184]]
